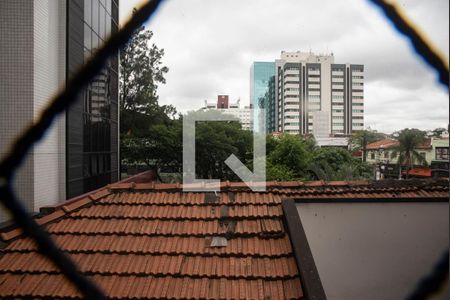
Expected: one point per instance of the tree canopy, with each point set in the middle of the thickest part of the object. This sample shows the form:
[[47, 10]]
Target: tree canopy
[[337, 164], [409, 140], [141, 71]]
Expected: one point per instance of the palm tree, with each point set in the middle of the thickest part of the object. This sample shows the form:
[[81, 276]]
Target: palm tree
[[409, 140]]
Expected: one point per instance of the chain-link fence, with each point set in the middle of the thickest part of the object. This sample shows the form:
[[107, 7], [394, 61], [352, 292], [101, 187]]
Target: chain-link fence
[[65, 98]]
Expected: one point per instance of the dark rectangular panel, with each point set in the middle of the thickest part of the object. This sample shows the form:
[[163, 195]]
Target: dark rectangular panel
[[92, 121]]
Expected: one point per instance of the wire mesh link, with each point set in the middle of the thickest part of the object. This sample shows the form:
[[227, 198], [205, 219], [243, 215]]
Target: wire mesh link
[[423, 47], [35, 132], [65, 98], [432, 283], [429, 284]]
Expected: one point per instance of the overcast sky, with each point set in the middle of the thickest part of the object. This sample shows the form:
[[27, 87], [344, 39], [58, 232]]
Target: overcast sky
[[210, 45]]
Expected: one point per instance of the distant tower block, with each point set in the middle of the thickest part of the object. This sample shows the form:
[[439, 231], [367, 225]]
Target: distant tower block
[[222, 101]]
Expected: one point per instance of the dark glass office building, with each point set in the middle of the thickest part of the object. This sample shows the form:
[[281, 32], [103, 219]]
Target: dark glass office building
[[92, 123]]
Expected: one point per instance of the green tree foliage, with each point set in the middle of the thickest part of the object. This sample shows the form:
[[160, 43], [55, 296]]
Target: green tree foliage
[[290, 157], [215, 142], [286, 154], [337, 164], [278, 172], [409, 140], [149, 133], [160, 148], [141, 71], [438, 132]]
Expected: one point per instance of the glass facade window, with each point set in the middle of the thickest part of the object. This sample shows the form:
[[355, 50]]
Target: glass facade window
[[262, 78], [261, 73], [92, 122]]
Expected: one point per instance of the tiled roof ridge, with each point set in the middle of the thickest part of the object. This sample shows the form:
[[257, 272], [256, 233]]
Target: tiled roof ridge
[[228, 186], [174, 254], [189, 246], [260, 235], [63, 209], [162, 274]]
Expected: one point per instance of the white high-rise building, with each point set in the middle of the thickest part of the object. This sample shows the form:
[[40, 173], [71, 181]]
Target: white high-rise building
[[307, 83]]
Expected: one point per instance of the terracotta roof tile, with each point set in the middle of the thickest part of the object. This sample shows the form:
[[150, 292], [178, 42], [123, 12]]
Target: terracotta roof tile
[[7, 236], [99, 194], [384, 143], [75, 205], [154, 241], [126, 244], [51, 217]]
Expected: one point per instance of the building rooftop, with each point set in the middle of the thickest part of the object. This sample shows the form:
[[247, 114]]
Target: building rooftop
[[382, 144], [389, 143], [146, 240]]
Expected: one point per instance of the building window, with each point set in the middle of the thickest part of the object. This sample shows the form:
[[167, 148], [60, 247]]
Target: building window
[[441, 153], [372, 155], [92, 128]]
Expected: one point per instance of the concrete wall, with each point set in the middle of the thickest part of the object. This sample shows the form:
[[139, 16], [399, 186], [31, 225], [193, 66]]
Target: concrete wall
[[374, 250]]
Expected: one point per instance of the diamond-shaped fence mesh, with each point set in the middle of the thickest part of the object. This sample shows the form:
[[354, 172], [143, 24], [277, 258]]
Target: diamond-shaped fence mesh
[[23, 143]]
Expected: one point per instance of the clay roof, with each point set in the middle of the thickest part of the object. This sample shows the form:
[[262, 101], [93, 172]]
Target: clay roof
[[141, 241], [389, 143], [426, 144], [384, 144]]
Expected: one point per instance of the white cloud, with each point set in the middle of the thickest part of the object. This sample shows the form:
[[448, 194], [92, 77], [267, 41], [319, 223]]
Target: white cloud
[[210, 45]]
